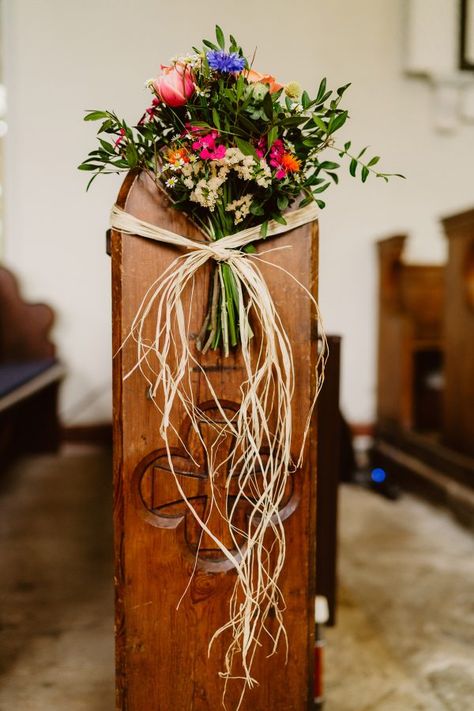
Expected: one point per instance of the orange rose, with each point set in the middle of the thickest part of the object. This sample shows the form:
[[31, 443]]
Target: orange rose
[[253, 77]]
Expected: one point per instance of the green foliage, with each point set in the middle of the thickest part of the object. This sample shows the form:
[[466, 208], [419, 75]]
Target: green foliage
[[246, 115]]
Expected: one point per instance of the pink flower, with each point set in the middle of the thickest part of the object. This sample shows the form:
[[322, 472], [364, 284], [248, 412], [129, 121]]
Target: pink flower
[[276, 153], [120, 138], [208, 150], [261, 147], [175, 85], [216, 154]]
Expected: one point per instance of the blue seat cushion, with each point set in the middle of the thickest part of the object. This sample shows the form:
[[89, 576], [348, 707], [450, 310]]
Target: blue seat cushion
[[13, 375]]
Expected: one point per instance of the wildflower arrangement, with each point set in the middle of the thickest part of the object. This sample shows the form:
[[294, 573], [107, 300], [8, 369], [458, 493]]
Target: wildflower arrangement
[[233, 148]]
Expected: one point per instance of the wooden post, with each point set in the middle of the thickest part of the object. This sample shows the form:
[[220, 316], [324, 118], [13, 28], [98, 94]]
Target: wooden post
[[162, 651]]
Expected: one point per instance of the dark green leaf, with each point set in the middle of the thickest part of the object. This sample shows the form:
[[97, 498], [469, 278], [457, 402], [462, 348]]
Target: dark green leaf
[[215, 118], [282, 202], [246, 147], [322, 188], [210, 44], [342, 89], [328, 165], [373, 160], [320, 123], [338, 121], [272, 136], [220, 37], [268, 105], [131, 155], [321, 90], [108, 147], [256, 210]]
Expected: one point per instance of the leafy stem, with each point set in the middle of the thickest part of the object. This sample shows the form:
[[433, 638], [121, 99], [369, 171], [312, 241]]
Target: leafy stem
[[366, 168]]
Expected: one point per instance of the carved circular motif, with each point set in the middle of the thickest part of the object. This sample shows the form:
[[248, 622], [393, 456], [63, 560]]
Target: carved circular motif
[[162, 494]]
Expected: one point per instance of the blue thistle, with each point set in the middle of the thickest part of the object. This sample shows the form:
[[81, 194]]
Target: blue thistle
[[225, 62]]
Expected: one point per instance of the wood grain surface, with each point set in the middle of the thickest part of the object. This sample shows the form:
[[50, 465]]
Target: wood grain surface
[[162, 652]]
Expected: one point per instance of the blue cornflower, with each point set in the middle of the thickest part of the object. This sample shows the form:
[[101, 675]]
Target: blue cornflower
[[227, 62]]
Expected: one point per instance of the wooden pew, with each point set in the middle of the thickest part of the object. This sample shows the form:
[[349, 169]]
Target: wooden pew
[[458, 421], [424, 431], [162, 653], [410, 340], [30, 375], [329, 475]]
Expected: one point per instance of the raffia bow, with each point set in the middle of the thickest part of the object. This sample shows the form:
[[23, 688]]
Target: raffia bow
[[266, 396]]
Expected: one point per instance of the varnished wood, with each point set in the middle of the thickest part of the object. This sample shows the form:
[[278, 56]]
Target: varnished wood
[[329, 474], [24, 328], [428, 309], [410, 323], [458, 423], [162, 653]]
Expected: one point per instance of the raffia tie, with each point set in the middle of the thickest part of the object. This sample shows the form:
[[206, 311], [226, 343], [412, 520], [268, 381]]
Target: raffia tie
[[266, 391]]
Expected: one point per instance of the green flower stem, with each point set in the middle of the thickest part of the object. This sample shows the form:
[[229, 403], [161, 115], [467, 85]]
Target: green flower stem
[[225, 313], [229, 285], [213, 313]]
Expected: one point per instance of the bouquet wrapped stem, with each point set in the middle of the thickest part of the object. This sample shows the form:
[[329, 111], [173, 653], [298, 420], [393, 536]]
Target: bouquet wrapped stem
[[221, 326]]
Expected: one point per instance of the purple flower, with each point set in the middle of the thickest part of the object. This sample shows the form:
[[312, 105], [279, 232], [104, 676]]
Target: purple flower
[[226, 62]]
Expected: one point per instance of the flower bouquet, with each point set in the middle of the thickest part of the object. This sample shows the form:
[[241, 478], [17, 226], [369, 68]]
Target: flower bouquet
[[242, 156], [232, 148]]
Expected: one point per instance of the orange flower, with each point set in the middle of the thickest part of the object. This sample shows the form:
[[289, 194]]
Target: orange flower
[[174, 156], [253, 77], [290, 163]]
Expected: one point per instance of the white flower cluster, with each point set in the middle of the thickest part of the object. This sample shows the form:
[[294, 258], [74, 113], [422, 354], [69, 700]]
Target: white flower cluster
[[206, 192], [193, 60], [247, 167], [242, 164], [240, 208], [263, 176]]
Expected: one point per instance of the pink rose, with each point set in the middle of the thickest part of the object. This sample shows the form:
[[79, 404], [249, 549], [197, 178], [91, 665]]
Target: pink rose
[[175, 85]]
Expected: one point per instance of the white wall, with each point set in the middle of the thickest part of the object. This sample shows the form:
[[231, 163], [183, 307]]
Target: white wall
[[62, 57]]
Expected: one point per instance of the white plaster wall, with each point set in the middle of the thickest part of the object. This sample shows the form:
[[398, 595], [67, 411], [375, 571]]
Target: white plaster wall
[[62, 57]]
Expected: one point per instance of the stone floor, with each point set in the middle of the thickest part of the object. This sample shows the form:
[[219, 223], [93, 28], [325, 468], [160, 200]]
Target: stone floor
[[405, 634], [56, 626], [404, 640]]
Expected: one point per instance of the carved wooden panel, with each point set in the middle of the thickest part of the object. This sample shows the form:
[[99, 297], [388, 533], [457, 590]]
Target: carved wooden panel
[[163, 661], [162, 503]]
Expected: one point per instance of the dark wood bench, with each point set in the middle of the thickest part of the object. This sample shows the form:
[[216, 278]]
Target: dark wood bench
[[30, 375]]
